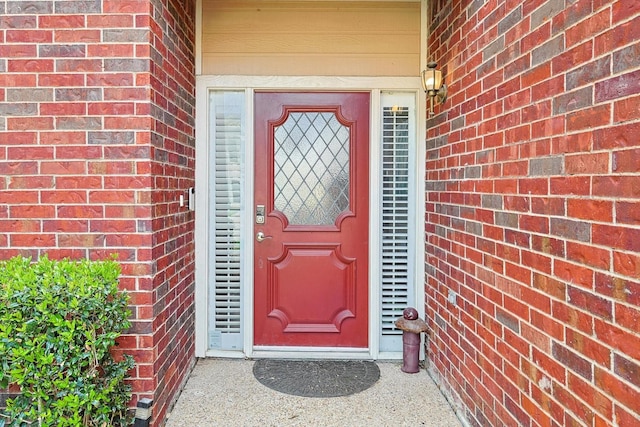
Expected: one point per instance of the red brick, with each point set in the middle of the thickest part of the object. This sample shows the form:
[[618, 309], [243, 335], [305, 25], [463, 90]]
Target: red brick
[[621, 10], [617, 37], [78, 65], [548, 365], [537, 299], [78, 152], [123, 122], [134, 269], [20, 226], [111, 108], [590, 395], [616, 237], [535, 112], [493, 140], [628, 317], [23, 182], [618, 87], [589, 118], [83, 240], [618, 288], [78, 36], [18, 51], [19, 197], [110, 79], [519, 273], [616, 186], [63, 109], [63, 167], [535, 148], [575, 406], [30, 65], [593, 163], [572, 14], [62, 138], [110, 21], [573, 57], [574, 143], [61, 21], [539, 186], [518, 100], [617, 136], [110, 50], [618, 389], [626, 109], [518, 134], [627, 264], [121, 182], [126, 6], [63, 197], [86, 182], [573, 273], [626, 418], [590, 209], [30, 123], [112, 226], [61, 80], [548, 88], [66, 226], [536, 75], [117, 211], [626, 161], [588, 28], [618, 338], [80, 211], [548, 325], [29, 153], [37, 240], [550, 286], [554, 206], [519, 168], [536, 38], [18, 168], [590, 302], [592, 349], [589, 255], [547, 128], [18, 138], [28, 36]]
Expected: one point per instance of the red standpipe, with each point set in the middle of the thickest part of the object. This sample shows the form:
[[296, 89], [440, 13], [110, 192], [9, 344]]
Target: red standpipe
[[411, 327]]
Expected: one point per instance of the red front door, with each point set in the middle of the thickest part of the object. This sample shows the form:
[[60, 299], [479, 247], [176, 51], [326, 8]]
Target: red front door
[[311, 219]]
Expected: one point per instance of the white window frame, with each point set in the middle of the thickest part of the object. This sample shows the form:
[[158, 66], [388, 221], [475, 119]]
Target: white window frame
[[249, 84]]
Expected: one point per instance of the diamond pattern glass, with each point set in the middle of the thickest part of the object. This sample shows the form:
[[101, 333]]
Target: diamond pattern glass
[[311, 168]]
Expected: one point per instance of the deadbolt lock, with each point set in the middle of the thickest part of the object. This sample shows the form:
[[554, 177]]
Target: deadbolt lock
[[260, 214]]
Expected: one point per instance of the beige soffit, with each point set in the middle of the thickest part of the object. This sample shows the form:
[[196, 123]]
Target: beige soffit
[[333, 38]]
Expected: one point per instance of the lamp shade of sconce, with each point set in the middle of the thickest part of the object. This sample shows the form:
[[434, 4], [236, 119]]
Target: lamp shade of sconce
[[432, 84]]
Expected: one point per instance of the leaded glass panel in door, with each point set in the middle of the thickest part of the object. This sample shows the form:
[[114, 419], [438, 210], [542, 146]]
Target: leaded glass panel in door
[[311, 168]]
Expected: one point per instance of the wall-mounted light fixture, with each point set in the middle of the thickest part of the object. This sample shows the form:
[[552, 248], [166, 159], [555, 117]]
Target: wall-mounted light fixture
[[433, 85]]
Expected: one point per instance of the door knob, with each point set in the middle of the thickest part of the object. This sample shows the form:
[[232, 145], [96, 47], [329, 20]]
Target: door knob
[[260, 237]]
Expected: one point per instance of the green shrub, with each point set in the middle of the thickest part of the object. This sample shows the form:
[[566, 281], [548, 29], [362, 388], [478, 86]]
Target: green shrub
[[58, 322]]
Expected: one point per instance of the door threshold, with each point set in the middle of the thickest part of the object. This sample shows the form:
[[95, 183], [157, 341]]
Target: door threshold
[[306, 353], [226, 354], [297, 353]]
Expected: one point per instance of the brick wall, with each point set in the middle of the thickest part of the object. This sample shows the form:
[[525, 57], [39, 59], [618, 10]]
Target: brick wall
[[173, 164], [96, 145], [533, 211]]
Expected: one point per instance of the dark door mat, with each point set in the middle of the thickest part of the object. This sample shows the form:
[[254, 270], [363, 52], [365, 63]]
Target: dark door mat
[[316, 378]]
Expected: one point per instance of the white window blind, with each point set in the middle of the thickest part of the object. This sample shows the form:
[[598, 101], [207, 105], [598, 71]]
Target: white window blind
[[397, 281], [226, 127]]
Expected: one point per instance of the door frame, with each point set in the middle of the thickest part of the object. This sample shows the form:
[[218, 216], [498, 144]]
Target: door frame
[[249, 84]]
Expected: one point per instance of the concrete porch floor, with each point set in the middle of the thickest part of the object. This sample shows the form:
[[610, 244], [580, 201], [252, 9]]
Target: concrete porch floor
[[224, 392]]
